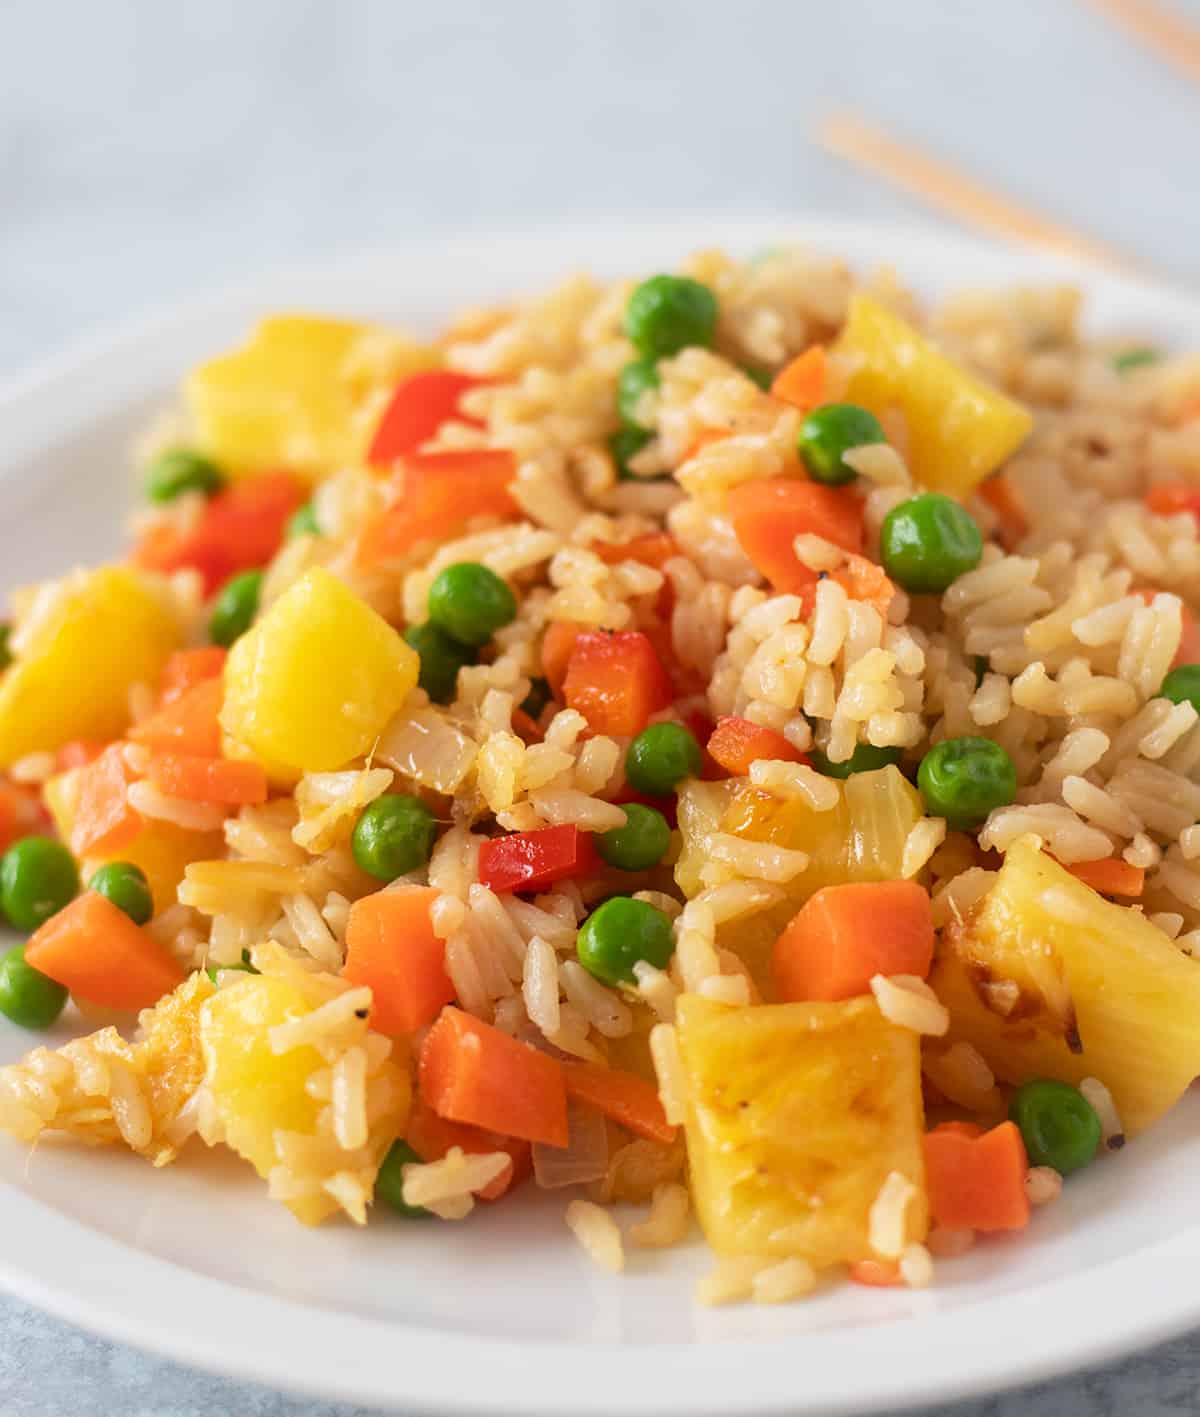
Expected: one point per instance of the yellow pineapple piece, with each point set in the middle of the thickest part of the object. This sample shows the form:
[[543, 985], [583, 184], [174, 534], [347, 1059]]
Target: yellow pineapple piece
[[82, 645], [861, 839], [1048, 979], [301, 392], [312, 684], [797, 1114], [959, 429], [271, 1101]]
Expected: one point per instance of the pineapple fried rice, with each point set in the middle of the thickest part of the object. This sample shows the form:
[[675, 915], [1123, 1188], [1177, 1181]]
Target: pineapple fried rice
[[725, 743]]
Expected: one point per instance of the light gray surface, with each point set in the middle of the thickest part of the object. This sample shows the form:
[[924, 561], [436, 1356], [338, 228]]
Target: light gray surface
[[150, 151]]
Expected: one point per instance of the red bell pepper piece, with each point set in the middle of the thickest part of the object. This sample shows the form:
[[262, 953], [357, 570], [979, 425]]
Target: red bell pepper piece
[[241, 529], [527, 861], [419, 407], [616, 681]]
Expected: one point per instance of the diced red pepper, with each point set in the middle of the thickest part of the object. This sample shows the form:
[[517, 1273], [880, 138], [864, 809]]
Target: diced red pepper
[[668, 806], [240, 529], [1166, 499], [736, 743], [616, 680], [527, 861], [419, 407]]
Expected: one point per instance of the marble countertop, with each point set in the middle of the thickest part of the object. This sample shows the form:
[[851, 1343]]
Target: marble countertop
[[150, 152]]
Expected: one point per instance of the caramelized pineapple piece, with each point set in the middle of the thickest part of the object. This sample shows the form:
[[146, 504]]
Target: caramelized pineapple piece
[[1048, 979], [797, 1114]]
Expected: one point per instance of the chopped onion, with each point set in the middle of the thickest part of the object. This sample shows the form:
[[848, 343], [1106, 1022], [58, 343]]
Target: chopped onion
[[583, 1159]]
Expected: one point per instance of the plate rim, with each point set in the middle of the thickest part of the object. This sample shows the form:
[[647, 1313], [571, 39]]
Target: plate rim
[[105, 1286]]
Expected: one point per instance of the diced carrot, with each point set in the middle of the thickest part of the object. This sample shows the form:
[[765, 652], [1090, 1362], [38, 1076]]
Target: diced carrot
[[21, 813], [437, 494], [104, 820], [418, 408], [876, 1274], [616, 680], [391, 948], [188, 667], [736, 743], [844, 935], [187, 723], [223, 782], [1011, 518], [958, 1129], [770, 513], [627, 1099], [1188, 410], [471, 1072], [240, 529], [863, 580], [977, 1183], [431, 1137], [1112, 876], [1189, 634], [653, 548], [802, 381], [529, 861], [95, 950], [557, 644], [77, 753]]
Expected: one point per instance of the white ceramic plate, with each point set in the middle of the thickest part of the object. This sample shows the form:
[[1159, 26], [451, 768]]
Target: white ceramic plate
[[503, 1314]]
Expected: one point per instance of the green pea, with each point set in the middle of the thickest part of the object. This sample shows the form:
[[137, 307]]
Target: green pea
[[539, 695], [965, 779], [865, 758], [668, 313], [829, 433], [764, 378], [244, 967], [1182, 685], [929, 541], [303, 522], [441, 658], [981, 667], [180, 470], [389, 1183], [38, 876], [126, 886], [641, 843], [1058, 1124], [624, 444], [618, 934], [632, 382], [235, 607], [27, 997], [1128, 359], [660, 757], [393, 835], [6, 657], [470, 602]]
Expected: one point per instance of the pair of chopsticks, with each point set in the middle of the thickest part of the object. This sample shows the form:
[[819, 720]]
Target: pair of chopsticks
[[944, 187]]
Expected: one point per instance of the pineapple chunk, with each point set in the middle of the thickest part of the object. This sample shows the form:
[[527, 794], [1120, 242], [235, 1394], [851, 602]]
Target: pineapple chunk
[[1072, 986], [315, 680], [959, 429], [797, 1113], [861, 839], [300, 393], [266, 1102], [86, 640]]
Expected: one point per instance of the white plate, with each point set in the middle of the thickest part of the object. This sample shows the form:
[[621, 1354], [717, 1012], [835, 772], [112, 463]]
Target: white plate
[[503, 1314]]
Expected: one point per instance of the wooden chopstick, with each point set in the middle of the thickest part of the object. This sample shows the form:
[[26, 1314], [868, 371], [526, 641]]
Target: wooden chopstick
[[951, 191], [1174, 39]]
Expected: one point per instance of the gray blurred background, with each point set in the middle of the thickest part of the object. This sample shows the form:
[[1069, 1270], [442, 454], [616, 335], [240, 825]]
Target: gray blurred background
[[152, 151]]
